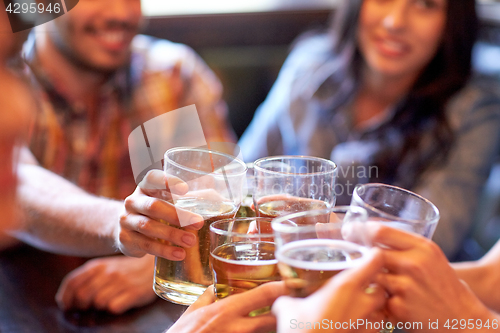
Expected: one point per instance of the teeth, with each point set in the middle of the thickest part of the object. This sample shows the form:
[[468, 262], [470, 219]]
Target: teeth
[[113, 37], [393, 46]]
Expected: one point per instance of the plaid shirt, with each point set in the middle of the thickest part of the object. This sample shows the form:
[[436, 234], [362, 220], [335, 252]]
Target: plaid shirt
[[90, 149]]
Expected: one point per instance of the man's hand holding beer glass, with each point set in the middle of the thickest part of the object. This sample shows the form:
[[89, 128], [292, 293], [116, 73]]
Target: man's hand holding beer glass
[[142, 225]]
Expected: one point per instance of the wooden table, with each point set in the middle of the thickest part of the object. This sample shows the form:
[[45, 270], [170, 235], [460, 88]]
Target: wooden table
[[29, 279]]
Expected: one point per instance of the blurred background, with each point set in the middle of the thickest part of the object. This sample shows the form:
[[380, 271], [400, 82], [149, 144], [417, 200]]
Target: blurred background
[[245, 42]]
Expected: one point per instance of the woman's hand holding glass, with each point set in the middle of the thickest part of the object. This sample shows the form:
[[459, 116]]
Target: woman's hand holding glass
[[423, 287]]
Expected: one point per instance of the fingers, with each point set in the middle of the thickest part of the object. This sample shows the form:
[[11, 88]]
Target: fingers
[[157, 230], [158, 180], [375, 297], [414, 263], [159, 209], [130, 299], [134, 244], [356, 232], [394, 284], [284, 302], [385, 236], [114, 284], [69, 292], [104, 296], [362, 275], [260, 324], [208, 297], [257, 298]]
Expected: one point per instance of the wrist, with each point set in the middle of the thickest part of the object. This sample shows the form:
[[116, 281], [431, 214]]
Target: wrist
[[476, 315]]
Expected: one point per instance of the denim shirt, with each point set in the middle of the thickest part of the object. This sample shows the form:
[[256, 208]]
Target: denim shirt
[[307, 113]]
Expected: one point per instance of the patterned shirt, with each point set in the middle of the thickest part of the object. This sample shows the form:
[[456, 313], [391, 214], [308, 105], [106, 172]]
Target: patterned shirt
[[90, 148]]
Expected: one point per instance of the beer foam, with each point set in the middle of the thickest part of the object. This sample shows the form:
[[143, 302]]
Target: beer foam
[[332, 244]]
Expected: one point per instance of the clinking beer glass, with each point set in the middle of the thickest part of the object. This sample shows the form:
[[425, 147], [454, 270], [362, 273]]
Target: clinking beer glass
[[290, 184], [217, 184], [398, 208], [242, 254], [311, 247]]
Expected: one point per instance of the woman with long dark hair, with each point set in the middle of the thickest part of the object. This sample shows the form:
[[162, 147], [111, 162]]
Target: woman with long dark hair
[[387, 94]]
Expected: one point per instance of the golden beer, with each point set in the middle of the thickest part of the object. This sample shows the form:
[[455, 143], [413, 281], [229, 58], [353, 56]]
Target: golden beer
[[242, 266], [275, 208], [306, 265], [184, 281]]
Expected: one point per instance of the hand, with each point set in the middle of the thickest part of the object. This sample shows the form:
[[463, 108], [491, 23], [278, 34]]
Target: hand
[[230, 315], [114, 284], [421, 283], [341, 299], [141, 230]]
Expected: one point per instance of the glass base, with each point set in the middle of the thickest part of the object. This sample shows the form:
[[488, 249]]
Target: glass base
[[178, 292]]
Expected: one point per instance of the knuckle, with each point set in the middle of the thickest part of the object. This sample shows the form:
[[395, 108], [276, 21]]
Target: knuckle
[[81, 294], [124, 237], [143, 224], [129, 202], [123, 218], [69, 285], [398, 308], [149, 176], [432, 248], [147, 246], [151, 205], [115, 308], [114, 276], [171, 234], [403, 288]]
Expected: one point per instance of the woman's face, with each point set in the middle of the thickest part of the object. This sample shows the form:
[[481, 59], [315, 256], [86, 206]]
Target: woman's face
[[398, 38]]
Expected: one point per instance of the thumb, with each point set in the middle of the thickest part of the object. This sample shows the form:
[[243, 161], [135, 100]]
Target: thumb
[[207, 298]]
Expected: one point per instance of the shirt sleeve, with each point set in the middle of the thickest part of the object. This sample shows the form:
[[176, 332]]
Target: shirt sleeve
[[455, 187]]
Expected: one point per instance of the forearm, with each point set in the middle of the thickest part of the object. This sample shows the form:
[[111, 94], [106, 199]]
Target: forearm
[[58, 216], [483, 279]]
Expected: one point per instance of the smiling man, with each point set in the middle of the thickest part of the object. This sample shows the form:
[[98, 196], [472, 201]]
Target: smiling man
[[97, 80]]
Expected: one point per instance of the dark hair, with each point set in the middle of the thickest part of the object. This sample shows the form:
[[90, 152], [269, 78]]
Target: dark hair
[[423, 110]]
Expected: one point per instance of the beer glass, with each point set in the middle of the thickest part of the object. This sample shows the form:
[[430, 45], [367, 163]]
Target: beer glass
[[311, 247], [217, 184], [242, 255], [290, 184], [397, 207]]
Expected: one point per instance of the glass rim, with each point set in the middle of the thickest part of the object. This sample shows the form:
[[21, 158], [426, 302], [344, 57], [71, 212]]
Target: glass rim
[[205, 150], [296, 157], [317, 266], [278, 225], [237, 234], [392, 217]]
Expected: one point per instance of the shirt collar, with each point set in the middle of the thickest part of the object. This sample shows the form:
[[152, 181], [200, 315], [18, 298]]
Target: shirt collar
[[120, 81]]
